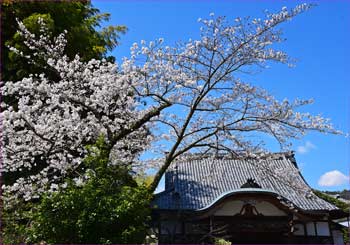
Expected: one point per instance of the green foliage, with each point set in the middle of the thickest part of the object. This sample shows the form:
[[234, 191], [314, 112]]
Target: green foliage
[[144, 179], [88, 215], [345, 232], [15, 220], [33, 26], [221, 241], [342, 205], [109, 208], [79, 18], [345, 194]]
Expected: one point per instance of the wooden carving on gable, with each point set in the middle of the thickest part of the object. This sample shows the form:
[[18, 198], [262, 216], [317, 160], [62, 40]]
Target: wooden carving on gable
[[249, 210]]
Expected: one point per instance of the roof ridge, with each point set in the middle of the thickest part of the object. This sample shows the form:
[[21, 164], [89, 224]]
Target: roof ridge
[[288, 155]]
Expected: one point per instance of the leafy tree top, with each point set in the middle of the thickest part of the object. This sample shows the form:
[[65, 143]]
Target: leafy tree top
[[79, 18]]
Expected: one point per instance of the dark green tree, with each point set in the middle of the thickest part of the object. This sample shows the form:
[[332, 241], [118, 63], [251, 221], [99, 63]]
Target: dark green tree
[[82, 21], [109, 208]]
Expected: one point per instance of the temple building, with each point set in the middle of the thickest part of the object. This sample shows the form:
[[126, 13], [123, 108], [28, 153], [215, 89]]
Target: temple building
[[242, 201]]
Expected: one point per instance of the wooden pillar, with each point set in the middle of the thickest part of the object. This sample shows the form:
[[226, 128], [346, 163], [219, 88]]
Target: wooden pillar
[[210, 224], [330, 230], [315, 229]]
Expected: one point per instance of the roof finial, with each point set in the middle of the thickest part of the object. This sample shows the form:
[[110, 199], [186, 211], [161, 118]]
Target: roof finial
[[251, 183]]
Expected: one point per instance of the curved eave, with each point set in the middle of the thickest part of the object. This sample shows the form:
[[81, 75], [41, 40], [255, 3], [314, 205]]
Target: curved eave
[[335, 213], [238, 191]]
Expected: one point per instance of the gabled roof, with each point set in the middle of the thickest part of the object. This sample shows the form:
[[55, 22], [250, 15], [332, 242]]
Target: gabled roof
[[195, 184]]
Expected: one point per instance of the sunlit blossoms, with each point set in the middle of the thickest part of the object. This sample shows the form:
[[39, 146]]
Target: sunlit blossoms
[[48, 124], [169, 100]]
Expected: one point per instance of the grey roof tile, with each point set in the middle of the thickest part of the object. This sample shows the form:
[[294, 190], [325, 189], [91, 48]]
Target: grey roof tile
[[199, 182]]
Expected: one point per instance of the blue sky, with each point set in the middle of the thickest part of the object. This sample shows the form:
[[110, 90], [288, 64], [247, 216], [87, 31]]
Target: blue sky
[[319, 39]]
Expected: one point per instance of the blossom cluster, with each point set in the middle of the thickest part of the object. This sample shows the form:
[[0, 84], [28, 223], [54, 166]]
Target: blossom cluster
[[47, 124]]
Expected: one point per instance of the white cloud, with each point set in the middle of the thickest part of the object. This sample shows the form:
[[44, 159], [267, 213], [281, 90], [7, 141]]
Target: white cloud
[[333, 178], [306, 148]]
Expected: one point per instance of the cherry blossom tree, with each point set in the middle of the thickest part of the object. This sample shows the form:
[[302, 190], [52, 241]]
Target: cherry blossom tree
[[170, 100], [213, 111], [47, 129]]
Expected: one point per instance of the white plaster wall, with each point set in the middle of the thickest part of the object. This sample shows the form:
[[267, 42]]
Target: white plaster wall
[[231, 208]]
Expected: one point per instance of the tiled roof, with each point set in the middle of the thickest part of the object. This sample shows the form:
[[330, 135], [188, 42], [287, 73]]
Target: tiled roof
[[196, 184]]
